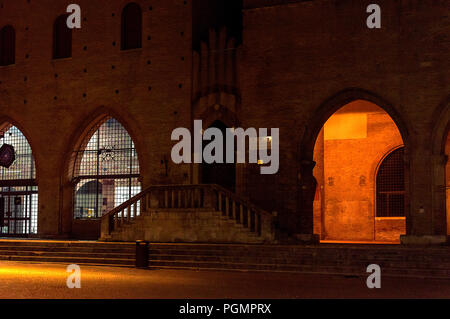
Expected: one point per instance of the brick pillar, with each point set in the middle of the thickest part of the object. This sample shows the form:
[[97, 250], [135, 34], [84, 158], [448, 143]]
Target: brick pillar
[[305, 213], [422, 217]]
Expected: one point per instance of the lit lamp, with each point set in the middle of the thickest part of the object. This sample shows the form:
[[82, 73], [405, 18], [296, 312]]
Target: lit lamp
[[7, 155]]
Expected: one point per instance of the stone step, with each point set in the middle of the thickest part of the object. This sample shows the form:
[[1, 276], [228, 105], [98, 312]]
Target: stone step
[[67, 254], [98, 250], [78, 244], [72, 260], [294, 261], [318, 269]]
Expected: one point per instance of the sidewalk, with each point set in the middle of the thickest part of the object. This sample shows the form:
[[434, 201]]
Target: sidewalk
[[39, 280]]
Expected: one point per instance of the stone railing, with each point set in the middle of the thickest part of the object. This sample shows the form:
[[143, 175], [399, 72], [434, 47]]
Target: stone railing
[[211, 197]]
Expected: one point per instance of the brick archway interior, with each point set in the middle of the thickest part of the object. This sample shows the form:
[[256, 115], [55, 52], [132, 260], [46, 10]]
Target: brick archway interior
[[349, 149]]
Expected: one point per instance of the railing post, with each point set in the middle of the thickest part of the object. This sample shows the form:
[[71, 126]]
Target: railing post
[[166, 198], [249, 218], [220, 201], [241, 214], [258, 223], [173, 198], [143, 204], [233, 208], [192, 196], [209, 198], [227, 206]]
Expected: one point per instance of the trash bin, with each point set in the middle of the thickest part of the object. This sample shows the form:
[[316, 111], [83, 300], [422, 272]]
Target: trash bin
[[141, 254]]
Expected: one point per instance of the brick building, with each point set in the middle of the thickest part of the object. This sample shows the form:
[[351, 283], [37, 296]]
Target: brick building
[[136, 70]]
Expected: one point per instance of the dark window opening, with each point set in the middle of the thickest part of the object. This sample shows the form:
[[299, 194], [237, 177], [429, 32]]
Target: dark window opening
[[7, 45], [62, 38], [131, 27], [223, 174], [391, 185]]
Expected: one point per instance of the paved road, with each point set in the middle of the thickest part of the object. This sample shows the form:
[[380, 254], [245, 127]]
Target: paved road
[[39, 280]]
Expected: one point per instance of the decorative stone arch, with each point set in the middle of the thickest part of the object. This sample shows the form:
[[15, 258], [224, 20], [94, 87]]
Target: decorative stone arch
[[5, 120], [219, 112], [306, 181], [78, 138], [95, 119], [440, 131]]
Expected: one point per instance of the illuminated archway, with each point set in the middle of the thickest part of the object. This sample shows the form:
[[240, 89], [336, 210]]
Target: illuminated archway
[[18, 187], [358, 153], [105, 171]]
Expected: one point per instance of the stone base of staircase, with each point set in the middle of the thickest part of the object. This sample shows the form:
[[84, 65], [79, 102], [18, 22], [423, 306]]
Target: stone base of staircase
[[186, 226]]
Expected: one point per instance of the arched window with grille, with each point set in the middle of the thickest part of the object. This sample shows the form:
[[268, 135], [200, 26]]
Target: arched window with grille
[[7, 45], [390, 185], [131, 27], [18, 187], [106, 170], [62, 38]]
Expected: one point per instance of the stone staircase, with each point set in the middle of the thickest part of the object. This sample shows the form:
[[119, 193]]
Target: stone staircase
[[189, 214], [330, 259], [399, 261], [68, 252], [185, 225]]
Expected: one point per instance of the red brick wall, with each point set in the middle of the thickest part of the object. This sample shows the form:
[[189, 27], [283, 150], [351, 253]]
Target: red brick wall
[[297, 56]]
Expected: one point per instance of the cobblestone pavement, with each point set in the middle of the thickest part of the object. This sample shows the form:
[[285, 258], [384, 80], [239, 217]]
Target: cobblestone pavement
[[20, 280]]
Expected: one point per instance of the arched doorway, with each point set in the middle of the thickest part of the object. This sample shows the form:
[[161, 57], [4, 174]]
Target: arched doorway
[[359, 170], [223, 174], [106, 170], [18, 187]]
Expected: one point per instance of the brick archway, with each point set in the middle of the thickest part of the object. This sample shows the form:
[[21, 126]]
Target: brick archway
[[89, 230], [305, 185]]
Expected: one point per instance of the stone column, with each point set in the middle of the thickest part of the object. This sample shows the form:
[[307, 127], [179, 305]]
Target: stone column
[[422, 217], [306, 190]]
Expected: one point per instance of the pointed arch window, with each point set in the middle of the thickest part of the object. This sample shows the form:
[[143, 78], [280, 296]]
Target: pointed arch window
[[106, 170], [391, 185], [62, 38], [131, 27], [7, 45], [18, 187]]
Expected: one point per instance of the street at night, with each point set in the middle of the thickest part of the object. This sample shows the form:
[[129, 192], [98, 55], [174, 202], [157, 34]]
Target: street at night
[[48, 281]]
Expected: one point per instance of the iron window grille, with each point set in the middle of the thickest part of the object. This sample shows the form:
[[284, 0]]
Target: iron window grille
[[18, 188], [106, 171], [390, 185]]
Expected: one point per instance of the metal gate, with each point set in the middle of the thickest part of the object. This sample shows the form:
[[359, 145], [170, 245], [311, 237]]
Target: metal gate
[[18, 211]]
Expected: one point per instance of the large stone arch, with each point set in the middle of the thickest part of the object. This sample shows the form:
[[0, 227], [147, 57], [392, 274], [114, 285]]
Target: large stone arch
[[86, 125], [440, 131], [305, 185]]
